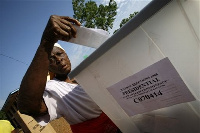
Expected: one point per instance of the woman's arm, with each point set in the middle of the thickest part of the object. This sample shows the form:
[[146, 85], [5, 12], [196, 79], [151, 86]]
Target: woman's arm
[[30, 99]]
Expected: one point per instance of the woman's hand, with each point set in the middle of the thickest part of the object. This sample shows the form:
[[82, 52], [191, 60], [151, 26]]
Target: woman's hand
[[60, 28]]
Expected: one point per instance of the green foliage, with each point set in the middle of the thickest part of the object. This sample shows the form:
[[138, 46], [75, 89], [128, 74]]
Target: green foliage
[[125, 20], [93, 16], [3, 116]]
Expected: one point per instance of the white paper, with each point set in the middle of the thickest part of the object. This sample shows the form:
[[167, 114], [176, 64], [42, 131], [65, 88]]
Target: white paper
[[156, 86], [90, 37]]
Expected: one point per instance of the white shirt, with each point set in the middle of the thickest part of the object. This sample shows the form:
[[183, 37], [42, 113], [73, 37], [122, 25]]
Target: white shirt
[[69, 101]]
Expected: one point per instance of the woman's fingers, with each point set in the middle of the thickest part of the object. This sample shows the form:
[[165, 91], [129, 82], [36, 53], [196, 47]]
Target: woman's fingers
[[69, 27], [71, 20], [60, 28], [64, 31]]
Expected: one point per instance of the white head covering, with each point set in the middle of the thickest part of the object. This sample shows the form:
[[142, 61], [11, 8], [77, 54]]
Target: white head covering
[[58, 45]]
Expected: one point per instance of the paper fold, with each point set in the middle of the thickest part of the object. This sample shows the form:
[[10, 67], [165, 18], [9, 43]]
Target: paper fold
[[89, 37]]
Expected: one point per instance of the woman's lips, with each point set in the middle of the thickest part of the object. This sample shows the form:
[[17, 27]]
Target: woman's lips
[[64, 66]]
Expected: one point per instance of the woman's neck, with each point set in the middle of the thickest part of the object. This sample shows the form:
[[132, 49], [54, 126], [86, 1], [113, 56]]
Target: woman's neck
[[65, 78]]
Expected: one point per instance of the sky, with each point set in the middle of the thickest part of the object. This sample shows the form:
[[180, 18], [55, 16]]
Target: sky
[[22, 23]]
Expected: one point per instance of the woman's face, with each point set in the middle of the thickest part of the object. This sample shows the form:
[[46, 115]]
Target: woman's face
[[59, 62]]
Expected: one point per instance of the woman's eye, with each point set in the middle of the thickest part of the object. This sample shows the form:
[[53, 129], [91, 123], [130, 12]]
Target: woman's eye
[[58, 53], [51, 59]]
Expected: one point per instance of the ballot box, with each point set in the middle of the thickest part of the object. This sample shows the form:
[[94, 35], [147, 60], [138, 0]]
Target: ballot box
[[145, 77]]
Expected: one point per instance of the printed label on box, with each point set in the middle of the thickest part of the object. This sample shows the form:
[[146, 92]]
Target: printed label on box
[[154, 87]]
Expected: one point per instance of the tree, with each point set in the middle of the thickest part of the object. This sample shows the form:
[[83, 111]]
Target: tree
[[125, 20], [93, 16], [3, 116]]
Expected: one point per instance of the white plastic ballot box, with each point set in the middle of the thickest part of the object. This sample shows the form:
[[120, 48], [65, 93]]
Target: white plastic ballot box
[[146, 76]]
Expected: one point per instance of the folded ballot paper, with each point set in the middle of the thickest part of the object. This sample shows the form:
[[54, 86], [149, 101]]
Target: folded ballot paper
[[89, 37]]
